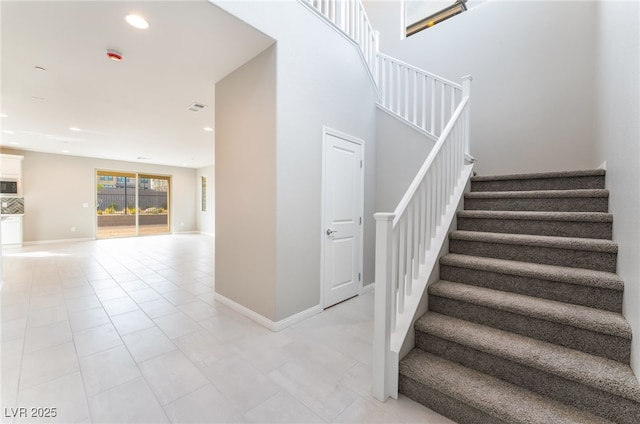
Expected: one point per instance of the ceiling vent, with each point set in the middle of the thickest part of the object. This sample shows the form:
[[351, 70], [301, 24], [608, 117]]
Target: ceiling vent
[[196, 107]]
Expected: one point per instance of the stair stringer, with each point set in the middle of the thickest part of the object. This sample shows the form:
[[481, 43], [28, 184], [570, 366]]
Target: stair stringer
[[403, 337]]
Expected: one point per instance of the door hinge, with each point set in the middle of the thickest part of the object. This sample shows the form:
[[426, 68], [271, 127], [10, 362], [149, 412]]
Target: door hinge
[[359, 277]]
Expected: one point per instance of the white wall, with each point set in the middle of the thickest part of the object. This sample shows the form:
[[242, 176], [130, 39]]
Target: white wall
[[205, 221], [321, 81], [57, 186], [618, 142], [532, 64], [401, 152], [246, 185]]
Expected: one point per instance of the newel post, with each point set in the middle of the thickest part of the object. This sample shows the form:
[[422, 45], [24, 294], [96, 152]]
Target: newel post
[[466, 92], [382, 311]]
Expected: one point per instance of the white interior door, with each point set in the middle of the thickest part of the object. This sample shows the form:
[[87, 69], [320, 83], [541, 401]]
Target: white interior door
[[343, 207]]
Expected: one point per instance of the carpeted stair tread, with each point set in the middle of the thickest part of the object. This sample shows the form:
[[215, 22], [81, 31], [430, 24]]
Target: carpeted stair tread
[[497, 398], [539, 216], [600, 373], [591, 319], [570, 243], [577, 276], [537, 194], [541, 175]]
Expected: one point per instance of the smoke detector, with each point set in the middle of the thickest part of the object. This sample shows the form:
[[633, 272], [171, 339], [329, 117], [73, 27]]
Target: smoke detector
[[196, 107], [114, 55]]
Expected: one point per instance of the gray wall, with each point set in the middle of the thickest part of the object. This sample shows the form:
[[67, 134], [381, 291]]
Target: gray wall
[[57, 186], [206, 220], [321, 82], [532, 64], [401, 152], [618, 143], [245, 191]]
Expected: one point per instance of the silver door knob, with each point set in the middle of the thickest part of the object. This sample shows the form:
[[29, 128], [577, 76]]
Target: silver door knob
[[330, 231]]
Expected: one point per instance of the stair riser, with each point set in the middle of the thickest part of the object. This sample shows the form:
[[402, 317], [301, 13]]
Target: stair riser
[[447, 406], [593, 297], [605, 345], [580, 204], [596, 230], [583, 397], [567, 183], [600, 261]]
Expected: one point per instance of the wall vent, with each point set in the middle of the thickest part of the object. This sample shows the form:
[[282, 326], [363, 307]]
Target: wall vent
[[196, 107]]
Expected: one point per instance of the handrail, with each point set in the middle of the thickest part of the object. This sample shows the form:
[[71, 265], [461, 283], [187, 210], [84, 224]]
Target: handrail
[[408, 242], [422, 172]]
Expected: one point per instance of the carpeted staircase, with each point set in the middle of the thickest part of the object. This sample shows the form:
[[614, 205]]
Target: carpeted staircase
[[525, 325]]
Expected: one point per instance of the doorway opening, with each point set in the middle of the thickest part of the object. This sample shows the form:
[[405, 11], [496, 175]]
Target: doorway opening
[[132, 204]]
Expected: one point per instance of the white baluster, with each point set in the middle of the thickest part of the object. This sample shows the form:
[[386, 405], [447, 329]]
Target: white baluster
[[402, 247], [442, 97], [424, 103], [409, 250], [406, 94], [433, 106], [417, 231]]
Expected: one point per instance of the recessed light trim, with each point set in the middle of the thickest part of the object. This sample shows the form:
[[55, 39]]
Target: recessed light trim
[[75, 129], [136, 21], [2, 115], [209, 129], [15, 143], [64, 151], [8, 132]]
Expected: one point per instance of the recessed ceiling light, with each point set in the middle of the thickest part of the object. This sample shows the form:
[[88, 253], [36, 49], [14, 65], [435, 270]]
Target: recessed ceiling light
[[2, 115], [208, 129], [137, 21], [15, 143], [64, 151], [8, 132], [74, 128]]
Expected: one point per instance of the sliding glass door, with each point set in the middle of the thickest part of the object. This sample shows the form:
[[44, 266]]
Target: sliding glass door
[[131, 204], [153, 204]]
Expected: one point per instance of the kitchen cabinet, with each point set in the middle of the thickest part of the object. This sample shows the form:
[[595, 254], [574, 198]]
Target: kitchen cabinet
[[11, 230]]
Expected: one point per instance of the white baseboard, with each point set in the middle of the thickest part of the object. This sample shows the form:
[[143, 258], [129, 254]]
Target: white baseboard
[[274, 326], [30, 243], [366, 289]]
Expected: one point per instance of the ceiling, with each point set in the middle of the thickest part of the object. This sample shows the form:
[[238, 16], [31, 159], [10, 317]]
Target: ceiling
[[133, 110]]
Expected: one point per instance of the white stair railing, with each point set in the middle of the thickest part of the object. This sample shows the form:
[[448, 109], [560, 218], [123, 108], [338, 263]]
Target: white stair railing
[[425, 100], [409, 239], [408, 242]]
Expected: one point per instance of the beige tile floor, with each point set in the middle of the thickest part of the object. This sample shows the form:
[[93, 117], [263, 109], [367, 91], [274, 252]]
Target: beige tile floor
[[127, 331]]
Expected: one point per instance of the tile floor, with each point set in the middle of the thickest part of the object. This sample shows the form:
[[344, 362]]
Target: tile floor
[[127, 331]]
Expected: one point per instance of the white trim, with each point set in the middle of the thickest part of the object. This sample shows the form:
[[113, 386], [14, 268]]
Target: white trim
[[29, 243], [367, 288], [274, 326], [330, 131]]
